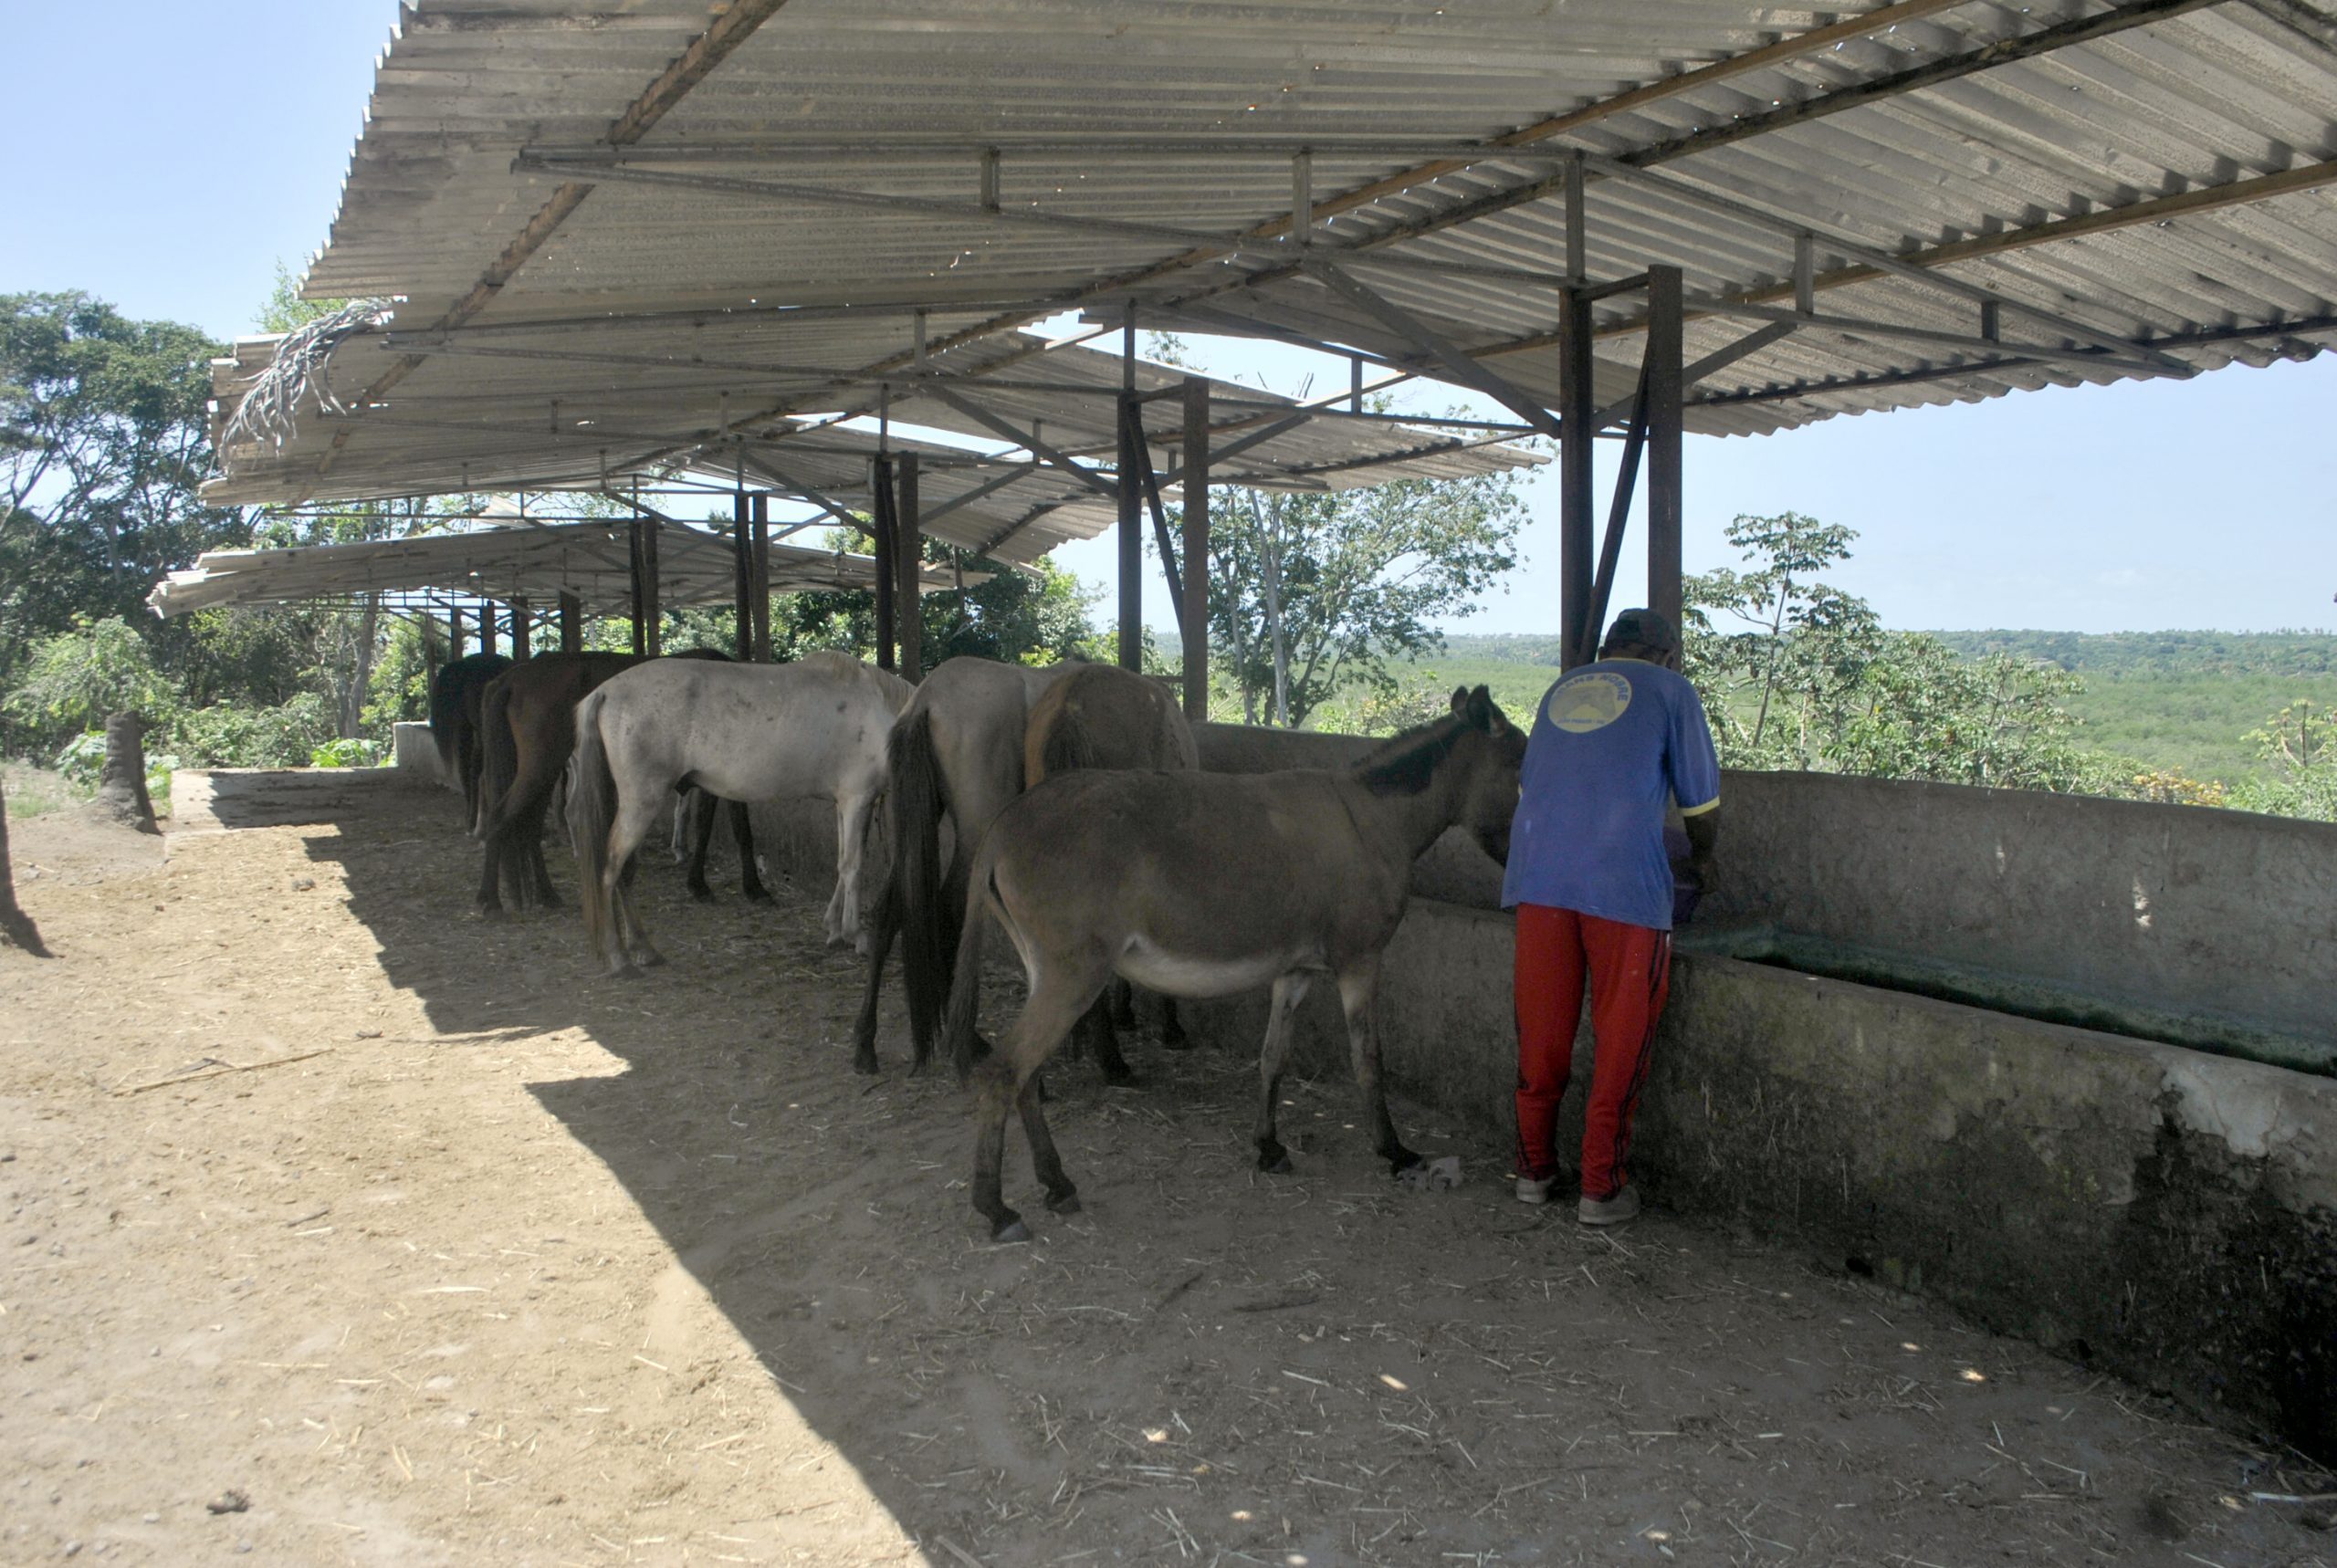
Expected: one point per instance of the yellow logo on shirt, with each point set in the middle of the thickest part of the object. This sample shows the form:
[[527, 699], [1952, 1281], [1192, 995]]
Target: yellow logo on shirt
[[1593, 700]]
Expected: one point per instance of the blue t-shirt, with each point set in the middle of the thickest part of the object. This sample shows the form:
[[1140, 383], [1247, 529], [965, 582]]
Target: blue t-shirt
[[1613, 745]]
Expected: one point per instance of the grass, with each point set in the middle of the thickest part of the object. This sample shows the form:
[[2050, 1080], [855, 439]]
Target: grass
[[37, 791]]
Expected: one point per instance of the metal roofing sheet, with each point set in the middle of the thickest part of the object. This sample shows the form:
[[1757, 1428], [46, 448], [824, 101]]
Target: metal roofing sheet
[[2157, 172], [537, 563]]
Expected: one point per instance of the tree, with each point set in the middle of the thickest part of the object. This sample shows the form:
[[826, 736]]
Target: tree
[[1037, 616], [2299, 747], [103, 443], [1311, 591]]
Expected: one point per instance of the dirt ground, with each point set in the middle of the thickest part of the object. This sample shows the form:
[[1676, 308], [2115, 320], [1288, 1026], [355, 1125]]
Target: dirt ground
[[344, 1228]]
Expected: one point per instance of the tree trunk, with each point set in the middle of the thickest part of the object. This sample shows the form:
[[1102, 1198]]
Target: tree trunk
[[121, 784], [15, 925], [353, 708]]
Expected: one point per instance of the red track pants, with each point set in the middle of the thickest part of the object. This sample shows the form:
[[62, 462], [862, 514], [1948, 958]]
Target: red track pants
[[1630, 970]]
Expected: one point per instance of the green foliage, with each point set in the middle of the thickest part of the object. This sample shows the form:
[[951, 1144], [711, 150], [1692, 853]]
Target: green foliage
[[103, 441], [1036, 617], [1312, 592], [2299, 747], [344, 752], [286, 735], [74, 680]]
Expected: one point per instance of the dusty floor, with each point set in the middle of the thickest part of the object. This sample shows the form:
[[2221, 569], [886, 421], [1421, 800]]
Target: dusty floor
[[342, 1228]]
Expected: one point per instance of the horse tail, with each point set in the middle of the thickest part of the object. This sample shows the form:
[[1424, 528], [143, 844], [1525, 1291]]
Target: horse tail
[[498, 759], [913, 782], [966, 984], [592, 806]]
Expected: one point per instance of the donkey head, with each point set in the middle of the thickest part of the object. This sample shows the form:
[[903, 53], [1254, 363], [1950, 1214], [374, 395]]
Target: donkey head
[[1490, 751]]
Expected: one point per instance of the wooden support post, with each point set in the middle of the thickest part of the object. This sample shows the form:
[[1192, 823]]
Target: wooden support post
[[640, 589], [1666, 474], [742, 577], [523, 641], [908, 570], [652, 610], [1577, 424], [456, 638], [571, 623], [762, 566], [1193, 618], [880, 486], [486, 637]]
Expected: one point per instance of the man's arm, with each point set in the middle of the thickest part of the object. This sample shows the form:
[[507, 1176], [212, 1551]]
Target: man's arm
[[1704, 833]]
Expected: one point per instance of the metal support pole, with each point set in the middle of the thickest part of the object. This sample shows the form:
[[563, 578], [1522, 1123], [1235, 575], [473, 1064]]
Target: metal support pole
[[761, 567], [1578, 427], [908, 558], [523, 641], [1665, 472], [652, 611], [640, 596], [571, 623], [880, 487], [1131, 501], [742, 578], [1193, 619]]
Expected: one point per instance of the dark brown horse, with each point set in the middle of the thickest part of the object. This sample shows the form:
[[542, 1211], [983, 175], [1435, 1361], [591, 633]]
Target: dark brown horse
[[1202, 884], [527, 733], [457, 699]]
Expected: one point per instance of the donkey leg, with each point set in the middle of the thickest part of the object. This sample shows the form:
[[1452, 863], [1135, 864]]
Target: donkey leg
[[864, 1031], [1102, 1041], [1289, 991], [742, 836], [1123, 997], [1358, 984], [1057, 1000], [1172, 1028]]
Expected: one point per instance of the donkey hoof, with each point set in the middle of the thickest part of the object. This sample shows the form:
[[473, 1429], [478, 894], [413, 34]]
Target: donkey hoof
[[1275, 1161], [1402, 1159], [1066, 1204], [865, 1063], [702, 895], [755, 894], [1009, 1230]]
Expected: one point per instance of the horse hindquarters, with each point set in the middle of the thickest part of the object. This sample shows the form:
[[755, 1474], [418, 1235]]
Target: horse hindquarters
[[605, 832]]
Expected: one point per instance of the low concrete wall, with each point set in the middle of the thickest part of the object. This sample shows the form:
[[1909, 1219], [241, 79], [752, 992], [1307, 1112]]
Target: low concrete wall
[[2165, 1215]]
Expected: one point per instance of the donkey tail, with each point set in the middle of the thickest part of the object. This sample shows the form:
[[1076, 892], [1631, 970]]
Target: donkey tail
[[913, 784], [966, 984], [592, 806], [499, 753], [1067, 745]]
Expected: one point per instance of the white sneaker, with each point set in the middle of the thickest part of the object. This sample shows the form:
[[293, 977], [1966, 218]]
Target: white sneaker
[[1623, 1205], [1530, 1190]]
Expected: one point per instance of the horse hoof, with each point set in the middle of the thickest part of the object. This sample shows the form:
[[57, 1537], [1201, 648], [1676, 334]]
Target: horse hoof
[[1067, 1204], [1275, 1162], [865, 1065], [702, 895], [1401, 1160], [1008, 1231], [623, 972], [755, 894], [488, 911]]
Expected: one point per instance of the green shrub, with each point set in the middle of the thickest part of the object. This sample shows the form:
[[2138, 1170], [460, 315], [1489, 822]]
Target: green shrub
[[347, 753]]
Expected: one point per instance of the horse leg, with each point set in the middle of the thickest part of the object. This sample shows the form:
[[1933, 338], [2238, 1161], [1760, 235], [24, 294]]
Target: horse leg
[[534, 877], [742, 834], [634, 820], [888, 926], [1289, 991], [1172, 1028], [851, 838], [701, 814], [1358, 984], [1123, 997], [490, 880], [1007, 1079]]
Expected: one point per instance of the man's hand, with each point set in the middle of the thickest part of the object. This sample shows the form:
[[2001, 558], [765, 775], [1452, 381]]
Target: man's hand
[[1704, 835]]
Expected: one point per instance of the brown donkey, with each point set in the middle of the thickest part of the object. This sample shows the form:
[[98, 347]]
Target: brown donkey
[[1202, 884]]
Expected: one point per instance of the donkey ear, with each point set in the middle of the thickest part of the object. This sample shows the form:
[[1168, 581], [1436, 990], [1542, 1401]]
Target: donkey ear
[[1478, 708], [1459, 699]]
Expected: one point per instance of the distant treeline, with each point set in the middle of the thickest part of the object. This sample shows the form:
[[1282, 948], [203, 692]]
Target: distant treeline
[[2115, 655]]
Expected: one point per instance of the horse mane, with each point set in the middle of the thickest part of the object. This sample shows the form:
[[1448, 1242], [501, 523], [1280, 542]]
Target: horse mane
[[1404, 764]]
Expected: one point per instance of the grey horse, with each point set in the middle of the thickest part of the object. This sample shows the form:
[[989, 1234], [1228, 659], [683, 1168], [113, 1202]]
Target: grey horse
[[1202, 884]]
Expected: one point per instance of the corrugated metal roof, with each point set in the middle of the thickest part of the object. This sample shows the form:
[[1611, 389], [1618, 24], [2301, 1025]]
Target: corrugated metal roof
[[2156, 172]]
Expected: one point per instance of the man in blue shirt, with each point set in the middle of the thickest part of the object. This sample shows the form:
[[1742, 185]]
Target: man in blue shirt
[[1617, 743]]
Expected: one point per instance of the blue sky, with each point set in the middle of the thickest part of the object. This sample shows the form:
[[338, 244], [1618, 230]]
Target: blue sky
[[211, 147]]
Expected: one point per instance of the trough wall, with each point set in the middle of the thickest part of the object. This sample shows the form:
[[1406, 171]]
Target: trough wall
[[2161, 1212]]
